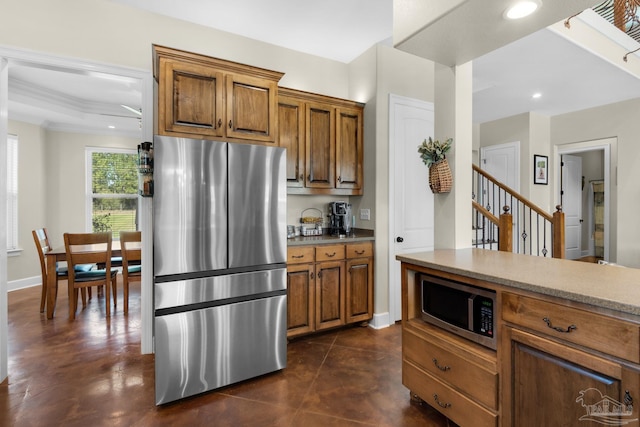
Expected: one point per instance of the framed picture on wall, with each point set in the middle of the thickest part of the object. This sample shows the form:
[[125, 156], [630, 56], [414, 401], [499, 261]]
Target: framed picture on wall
[[540, 169]]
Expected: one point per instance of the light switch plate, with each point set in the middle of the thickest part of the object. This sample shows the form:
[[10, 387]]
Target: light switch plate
[[365, 214]]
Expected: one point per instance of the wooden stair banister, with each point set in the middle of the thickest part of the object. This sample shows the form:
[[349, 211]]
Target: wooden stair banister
[[555, 221]]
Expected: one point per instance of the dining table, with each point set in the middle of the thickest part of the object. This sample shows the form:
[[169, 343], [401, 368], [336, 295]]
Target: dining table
[[59, 254]]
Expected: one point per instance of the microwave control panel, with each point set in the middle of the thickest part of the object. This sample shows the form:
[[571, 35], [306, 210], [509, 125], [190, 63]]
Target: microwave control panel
[[483, 323]]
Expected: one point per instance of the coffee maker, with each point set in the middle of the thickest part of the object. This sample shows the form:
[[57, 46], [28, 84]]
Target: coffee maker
[[340, 218]]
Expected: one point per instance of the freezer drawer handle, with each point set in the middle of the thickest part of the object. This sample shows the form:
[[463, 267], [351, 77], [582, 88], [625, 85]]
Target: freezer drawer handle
[[330, 255]]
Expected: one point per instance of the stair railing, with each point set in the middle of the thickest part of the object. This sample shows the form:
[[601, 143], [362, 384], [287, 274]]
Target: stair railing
[[504, 220]]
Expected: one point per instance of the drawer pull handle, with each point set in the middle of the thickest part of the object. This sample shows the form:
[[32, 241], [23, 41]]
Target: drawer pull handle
[[360, 252], [444, 368], [297, 256], [330, 255], [558, 328], [442, 405]]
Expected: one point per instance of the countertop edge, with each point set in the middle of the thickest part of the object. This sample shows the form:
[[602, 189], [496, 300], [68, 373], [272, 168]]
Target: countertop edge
[[359, 235], [615, 305]]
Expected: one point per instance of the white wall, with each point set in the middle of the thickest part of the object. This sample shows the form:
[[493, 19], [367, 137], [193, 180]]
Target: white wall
[[32, 194], [405, 75]]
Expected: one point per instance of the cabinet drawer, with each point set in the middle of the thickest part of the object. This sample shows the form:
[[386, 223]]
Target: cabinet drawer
[[453, 404], [608, 335], [462, 371], [359, 250], [300, 254], [329, 252]]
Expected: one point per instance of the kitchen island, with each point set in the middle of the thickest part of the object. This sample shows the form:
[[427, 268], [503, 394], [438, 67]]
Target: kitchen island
[[567, 334]]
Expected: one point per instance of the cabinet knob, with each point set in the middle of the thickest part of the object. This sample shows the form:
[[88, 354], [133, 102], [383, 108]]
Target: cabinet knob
[[399, 239], [219, 123], [229, 124], [339, 179], [301, 177], [311, 275]]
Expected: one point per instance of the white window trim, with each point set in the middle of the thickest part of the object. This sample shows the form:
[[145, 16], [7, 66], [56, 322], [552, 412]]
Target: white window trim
[[13, 247], [89, 190]]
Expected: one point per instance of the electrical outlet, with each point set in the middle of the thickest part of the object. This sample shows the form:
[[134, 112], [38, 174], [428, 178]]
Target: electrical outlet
[[365, 214]]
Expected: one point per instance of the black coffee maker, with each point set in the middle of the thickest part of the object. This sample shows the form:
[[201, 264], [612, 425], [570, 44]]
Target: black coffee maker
[[340, 218]]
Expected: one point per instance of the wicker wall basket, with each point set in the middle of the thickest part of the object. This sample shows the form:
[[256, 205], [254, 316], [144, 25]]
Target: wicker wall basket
[[440, 179]]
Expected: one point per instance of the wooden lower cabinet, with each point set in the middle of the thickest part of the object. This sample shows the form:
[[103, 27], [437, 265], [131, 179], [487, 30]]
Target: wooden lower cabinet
[[330, 295], [456, 377], [300, 299], [328, 286], [552, 384]]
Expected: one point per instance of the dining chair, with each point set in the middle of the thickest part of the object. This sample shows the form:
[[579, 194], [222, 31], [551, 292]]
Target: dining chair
[[86, 248], [41, 239], [130, 245]]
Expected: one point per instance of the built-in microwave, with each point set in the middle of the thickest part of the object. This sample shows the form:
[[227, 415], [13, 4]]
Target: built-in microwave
[[467, 311]]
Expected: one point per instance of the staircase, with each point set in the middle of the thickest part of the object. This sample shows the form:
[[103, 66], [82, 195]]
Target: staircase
[[504, 220]]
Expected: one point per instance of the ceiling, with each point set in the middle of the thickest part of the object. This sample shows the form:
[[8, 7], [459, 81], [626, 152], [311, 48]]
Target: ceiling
[[569, 77]]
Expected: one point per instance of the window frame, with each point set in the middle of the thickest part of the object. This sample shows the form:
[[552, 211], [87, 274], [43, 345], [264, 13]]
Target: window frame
[[89, 151]]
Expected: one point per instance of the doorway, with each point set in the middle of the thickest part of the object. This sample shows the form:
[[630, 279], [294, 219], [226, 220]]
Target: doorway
[[596, 160], [17, 58]]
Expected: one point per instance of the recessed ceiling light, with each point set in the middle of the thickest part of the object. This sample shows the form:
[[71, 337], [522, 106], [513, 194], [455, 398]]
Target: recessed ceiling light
[[112, 127], [521, 9], [536, 95]]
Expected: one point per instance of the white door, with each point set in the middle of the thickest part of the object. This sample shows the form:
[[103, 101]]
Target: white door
[[411, 214], [571, 200], [501, 161]]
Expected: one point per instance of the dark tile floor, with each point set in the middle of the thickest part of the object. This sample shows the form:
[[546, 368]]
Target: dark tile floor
[[90, 372]]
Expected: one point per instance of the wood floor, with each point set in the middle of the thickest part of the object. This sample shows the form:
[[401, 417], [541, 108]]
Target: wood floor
[[89, 372]]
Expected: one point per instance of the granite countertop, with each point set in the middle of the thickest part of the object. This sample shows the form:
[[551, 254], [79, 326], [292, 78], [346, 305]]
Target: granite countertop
[[607, 286], [358, 235]]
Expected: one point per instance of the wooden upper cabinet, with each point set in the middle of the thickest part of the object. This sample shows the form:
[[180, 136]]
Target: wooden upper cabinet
[[291, 135], [192, 99], [321, 146], [209, 98], [329, 153], [251, 108], [349, 145]]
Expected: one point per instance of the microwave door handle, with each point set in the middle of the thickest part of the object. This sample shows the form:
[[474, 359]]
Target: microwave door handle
[[470, 312]]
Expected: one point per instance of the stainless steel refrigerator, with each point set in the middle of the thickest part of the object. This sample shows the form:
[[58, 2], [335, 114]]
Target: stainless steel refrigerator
[[219, 242]]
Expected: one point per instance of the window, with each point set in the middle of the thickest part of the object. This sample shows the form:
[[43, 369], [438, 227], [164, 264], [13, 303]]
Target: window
[[112, 176], [12, 193]]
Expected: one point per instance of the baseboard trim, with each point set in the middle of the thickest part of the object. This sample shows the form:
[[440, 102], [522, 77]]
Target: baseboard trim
[[28, 282], [380, 320]]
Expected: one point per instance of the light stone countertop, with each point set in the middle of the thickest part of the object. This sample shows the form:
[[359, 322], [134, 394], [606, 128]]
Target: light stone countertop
[[358, 235], [607, 286]]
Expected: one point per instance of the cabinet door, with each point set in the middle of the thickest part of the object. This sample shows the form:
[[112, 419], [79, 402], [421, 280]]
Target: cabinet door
[[320, 145], [359, 289], [551, 384], [300, 299], [349, 149], [190, 99], [251, 108], [291, 136], [330, 294]]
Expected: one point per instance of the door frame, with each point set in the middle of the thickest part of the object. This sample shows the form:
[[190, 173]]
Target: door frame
[[395, 293], [604, 145]]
